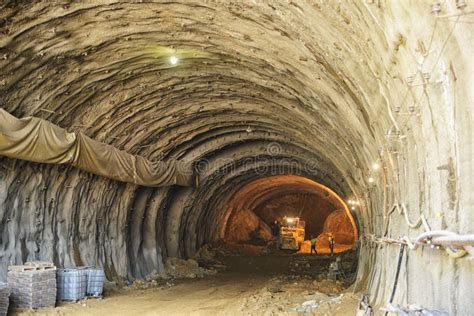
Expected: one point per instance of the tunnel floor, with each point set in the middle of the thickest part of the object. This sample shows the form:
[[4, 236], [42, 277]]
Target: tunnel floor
[[250, 284]]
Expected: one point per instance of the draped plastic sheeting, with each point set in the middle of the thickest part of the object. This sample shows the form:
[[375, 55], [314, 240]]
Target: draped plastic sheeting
[[35, 139]]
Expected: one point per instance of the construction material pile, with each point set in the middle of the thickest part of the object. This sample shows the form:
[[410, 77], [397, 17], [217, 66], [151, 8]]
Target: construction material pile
[[4, 298], [32, 285], [72, 284], [95, 282], [76, 283]]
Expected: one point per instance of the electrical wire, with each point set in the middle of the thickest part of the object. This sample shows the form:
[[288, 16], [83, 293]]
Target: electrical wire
[[402, 210], [397, 274], [455, 245]]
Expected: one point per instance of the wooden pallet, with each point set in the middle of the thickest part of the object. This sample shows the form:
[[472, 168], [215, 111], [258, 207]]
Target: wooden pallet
[[32, 266], [40, 264], [22, 268]]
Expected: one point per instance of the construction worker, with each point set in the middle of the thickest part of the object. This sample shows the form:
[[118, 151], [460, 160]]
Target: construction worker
[[276, 228], [313, 245], [331, 244]]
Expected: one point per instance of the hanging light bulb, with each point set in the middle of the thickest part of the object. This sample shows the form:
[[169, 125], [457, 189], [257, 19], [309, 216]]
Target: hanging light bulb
[[371, 180], [173, 60], [376, 166]]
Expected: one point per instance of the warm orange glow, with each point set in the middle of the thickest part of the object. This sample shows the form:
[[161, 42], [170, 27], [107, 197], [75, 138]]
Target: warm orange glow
[[260, 202]]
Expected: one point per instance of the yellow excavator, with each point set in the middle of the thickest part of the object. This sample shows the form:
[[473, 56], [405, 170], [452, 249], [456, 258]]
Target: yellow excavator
[[291, 235]]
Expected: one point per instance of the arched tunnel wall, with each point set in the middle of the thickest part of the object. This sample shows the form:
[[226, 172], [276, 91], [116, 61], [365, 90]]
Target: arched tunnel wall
[[319, 89]]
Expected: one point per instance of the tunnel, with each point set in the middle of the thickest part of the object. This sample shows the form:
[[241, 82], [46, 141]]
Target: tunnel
[[355, 116], [260, 203]]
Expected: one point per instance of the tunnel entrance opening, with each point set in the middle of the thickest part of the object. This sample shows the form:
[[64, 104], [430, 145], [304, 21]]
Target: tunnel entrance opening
[[256, 213]]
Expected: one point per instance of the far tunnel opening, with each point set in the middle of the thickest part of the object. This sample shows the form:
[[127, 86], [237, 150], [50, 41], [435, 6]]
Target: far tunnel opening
[[258, 210], [253, 248]]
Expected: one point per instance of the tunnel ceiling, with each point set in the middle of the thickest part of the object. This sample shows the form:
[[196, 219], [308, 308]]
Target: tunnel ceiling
[[247, 75], [260, 88]]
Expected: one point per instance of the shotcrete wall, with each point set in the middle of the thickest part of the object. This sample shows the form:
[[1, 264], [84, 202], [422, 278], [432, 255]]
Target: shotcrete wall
[[319, 89]]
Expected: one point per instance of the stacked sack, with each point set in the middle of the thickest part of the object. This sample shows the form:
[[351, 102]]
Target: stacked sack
[[4, 297], [32, 285]]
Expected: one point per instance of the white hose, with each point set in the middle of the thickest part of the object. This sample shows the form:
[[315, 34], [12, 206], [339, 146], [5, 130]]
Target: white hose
[[466, 240], [443, 238], [401, 208]]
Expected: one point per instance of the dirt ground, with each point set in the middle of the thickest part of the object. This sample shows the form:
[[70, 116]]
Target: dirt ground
[[250, 285]]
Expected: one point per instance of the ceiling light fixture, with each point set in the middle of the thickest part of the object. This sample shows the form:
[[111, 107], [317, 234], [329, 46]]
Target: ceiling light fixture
[[376, 166], [371, 180], [173, 60]]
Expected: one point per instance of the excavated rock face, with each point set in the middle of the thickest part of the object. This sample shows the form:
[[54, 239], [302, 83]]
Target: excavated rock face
[[317, 89], [259, 203]]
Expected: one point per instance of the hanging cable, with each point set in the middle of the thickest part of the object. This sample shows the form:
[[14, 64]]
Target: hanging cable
[[454, 244], [397, 274], [402, 209]]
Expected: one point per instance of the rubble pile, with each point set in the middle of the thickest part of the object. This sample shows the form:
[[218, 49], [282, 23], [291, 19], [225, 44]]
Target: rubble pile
[[179, 268], [326, 286], [316, 300], [207, 254], [207, 257], [155, 282], [290, 294], [204, 263], [175, 269]]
